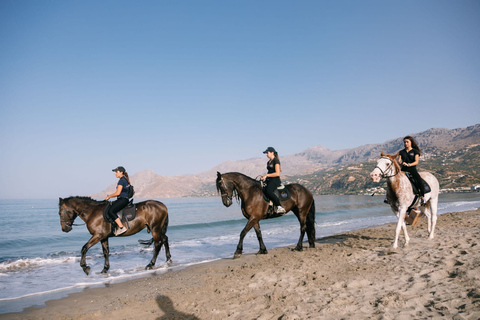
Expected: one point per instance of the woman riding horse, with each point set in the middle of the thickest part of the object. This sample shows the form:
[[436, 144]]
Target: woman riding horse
[[272, 178], [122, 198], [254, 207]]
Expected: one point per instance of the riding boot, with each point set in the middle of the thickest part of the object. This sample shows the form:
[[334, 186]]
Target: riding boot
[[280, 209]]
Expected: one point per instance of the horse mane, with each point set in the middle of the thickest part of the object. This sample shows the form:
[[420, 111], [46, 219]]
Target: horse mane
[[254, 183], [84, 200]]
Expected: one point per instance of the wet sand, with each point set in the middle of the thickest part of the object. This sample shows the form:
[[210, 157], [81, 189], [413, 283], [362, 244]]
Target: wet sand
[[354, 275]]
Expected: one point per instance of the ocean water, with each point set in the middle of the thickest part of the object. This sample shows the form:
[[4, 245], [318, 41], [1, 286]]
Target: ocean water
[[39, 262]]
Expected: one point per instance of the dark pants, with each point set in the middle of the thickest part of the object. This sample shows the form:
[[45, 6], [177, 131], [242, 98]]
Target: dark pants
[[116, 206], [272, 184], [418, 180]]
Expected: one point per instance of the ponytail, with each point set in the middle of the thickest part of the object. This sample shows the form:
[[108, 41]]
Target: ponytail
[[276, 156], [126, 177]]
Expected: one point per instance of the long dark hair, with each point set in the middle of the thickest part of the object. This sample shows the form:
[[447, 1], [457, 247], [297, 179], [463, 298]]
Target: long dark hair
[[276, 156], [125, 174], [414, 143]]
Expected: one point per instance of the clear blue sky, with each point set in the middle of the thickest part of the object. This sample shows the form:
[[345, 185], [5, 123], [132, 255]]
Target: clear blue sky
[[181, 86]]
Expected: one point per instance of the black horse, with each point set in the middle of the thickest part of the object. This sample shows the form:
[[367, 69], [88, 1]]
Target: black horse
[[151, 214], [254, 207]]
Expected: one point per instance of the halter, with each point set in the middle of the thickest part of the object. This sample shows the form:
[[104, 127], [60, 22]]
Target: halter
[[70, 224], [224, 186], [383, 175]]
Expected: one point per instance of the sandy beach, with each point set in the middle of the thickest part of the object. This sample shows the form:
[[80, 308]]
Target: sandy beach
[[353, 275]]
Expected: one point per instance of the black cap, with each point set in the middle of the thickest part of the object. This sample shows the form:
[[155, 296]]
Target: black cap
[[270, 149], [121, 169]]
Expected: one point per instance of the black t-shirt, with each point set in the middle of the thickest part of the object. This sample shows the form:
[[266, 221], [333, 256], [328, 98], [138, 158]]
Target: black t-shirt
[[271, 165], [271, 169], [409, 157]]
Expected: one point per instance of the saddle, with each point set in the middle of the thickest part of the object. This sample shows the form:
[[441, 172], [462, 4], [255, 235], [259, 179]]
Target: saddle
[[413, 217], [126, 214], [282, 194], [414, 184]]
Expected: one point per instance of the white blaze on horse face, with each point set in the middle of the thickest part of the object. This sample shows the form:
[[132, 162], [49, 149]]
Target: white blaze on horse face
[[375, 175], [381, 169]]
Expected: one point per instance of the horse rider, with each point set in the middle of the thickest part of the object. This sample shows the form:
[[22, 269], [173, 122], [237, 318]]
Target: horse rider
[[272, 178], [122, 199], [409, 158]]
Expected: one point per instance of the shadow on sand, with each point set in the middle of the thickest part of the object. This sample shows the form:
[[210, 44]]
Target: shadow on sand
[[166, 305]]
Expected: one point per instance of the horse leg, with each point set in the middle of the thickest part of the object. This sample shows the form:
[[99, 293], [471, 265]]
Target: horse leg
[[404, 228], [158, 246], [433, 211], [244, 232], [311, 225], [106, 252], [93, 241], [167, 249], [263, 249], [303, 228], [400, 225]]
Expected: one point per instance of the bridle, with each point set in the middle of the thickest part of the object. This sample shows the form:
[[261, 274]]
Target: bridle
[[384, 173], [224, 187], [70, 223]]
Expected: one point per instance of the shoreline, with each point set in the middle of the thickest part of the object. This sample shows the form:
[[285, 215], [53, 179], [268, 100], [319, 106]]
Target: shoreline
[[349, 275]]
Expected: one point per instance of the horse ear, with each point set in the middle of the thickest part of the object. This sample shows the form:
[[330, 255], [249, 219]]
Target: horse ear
[[382, 154], [60, 200], [219, 175]]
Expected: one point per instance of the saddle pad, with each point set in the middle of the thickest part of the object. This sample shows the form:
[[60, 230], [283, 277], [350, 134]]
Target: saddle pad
[[128, 213], [281, 192]]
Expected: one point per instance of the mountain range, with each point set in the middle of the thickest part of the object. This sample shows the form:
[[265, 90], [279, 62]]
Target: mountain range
[[313, 162]]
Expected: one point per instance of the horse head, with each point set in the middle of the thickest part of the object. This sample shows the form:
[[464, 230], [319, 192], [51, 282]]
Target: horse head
[[67, 214], [226, 189], [386, 167]]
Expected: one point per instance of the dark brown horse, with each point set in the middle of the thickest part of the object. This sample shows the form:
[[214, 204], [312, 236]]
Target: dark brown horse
[[254, 207], [151, 214]]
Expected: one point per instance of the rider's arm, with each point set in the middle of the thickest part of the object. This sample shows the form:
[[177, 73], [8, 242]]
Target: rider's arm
[[274, 174], [116, 194], [417, 157]]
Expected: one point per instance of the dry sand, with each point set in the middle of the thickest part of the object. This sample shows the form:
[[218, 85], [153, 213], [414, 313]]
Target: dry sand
[[353, 275]]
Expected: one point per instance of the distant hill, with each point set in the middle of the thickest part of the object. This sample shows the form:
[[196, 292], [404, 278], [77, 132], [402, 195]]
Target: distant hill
[[324, 171]]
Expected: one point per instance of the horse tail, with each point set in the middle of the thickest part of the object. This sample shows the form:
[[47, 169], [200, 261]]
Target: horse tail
[[165, 225], [311, 225]]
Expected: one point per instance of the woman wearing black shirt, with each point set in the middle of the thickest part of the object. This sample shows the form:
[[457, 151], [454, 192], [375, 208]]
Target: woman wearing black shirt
[[122, 198], [272, 178], [409, 158]]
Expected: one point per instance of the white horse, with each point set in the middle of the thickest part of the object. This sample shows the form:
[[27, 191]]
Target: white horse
[[400, 194]]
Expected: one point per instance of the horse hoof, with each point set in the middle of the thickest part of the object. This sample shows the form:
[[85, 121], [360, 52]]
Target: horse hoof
[[298, 248], [169, 261], [149, 267], [262, 252], [237, 255], [104, 271], [86, 270]]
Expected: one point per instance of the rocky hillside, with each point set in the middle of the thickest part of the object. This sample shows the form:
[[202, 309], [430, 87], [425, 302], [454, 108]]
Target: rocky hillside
[[327, 171]]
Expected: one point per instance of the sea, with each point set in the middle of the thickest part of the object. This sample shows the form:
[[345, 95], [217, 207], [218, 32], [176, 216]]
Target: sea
[[39, 262]]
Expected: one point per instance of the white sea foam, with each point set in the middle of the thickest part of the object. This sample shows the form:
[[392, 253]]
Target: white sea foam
[[23, 264]]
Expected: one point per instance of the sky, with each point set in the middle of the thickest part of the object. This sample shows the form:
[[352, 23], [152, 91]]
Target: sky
[[180, 86]]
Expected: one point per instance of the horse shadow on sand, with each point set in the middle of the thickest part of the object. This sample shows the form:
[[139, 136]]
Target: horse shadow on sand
[[166, 305]]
